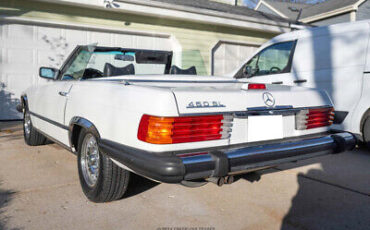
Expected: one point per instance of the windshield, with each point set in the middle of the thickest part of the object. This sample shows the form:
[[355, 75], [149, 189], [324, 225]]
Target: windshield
[[99, 62]]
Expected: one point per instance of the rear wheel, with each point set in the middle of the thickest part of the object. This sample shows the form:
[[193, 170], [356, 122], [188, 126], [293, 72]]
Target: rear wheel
[[101, 180], [31, 135], [366, 132]]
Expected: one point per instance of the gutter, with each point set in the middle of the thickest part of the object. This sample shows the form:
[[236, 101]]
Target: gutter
[[184, 13]]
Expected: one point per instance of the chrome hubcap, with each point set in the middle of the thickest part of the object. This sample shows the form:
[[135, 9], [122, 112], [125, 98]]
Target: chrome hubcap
[[90, 161], [27, 123]]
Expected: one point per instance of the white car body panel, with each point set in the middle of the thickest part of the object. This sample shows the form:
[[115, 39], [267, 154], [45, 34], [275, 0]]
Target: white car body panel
[[336, 59], [116, 108]]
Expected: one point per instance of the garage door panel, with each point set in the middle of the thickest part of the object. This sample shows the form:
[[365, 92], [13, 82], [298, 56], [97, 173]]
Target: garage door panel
[[20, 56], [48, 32], [232, 51], [103, 39], [145, 43], [219, 67], [162, 44], [24, 48], [24, 32], [124, 40], [229, 56], [76, 36], [50, 58]]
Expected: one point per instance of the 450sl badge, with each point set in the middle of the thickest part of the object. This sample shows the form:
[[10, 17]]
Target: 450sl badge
[[204, 104]]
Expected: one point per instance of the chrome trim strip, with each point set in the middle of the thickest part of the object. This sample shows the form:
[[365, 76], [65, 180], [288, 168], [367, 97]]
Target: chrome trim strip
[[278, 110], [278, 107], [49, 121]]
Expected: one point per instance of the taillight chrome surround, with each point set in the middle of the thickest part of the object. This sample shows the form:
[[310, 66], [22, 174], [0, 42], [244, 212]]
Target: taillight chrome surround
[[172, 130], [314, 118]]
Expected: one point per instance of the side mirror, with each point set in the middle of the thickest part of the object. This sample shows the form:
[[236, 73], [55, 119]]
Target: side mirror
[[48, 73]]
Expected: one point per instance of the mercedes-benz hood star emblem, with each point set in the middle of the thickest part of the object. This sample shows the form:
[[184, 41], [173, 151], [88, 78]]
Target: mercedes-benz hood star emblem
[[268, 99]]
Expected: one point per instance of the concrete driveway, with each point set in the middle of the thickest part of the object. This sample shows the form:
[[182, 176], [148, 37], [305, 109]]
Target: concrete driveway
[[39, 189]]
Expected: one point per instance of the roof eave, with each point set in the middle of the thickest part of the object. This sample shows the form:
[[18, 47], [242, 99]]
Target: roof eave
[[185, 13], [271, 8], [349, 8]]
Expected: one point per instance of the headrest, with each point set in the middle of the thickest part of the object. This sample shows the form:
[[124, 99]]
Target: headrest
[[176, 70], [110, 70]]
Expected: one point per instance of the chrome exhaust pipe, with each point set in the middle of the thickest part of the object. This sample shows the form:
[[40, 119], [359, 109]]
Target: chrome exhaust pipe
[[229, 179], [217, 180]]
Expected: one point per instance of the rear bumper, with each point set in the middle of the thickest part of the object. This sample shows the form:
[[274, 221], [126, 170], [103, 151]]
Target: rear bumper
[[169, 168]]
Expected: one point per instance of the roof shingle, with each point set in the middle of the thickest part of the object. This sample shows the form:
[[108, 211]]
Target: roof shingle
[[225, 8], [307, 9]]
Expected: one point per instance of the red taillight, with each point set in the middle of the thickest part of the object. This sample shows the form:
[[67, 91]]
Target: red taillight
[[314, 118], [256, 86], [171, 130]]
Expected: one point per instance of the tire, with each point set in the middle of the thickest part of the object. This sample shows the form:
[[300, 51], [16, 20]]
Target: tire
[[31, 135], [101, 179], [366, 132]]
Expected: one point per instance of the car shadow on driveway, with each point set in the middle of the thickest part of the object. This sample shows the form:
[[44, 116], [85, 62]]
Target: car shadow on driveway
[[137, 185], [326, 201]]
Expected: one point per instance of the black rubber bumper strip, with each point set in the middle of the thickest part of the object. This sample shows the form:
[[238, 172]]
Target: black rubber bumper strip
[[168, 169], [217, 163]]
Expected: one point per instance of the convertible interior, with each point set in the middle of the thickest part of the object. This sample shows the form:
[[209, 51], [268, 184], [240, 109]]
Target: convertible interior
[[109, 62]]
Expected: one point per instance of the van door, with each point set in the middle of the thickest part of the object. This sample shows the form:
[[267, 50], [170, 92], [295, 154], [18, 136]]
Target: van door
[[271, 65], [333, 59]]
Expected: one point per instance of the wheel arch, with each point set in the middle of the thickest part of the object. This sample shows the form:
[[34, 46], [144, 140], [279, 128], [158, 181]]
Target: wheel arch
[[75, 126], [363, 118]]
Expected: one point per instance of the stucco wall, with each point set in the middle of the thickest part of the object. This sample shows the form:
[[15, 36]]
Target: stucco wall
[[191, 36]]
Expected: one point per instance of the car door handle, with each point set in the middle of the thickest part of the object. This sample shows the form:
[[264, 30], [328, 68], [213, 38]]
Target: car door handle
[[277, 82], [64, 94], [300, 81]]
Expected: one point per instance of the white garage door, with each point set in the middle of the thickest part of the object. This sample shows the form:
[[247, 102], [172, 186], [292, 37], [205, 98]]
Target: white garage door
[[227, 56], [26, 47]]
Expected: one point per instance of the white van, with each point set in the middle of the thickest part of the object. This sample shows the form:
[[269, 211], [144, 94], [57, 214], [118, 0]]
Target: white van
[[335, 58]]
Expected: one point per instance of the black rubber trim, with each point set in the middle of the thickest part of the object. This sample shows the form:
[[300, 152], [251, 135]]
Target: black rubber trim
[[173, 169], [273, 155], [221, 163], [339, 116], [49, 121], [199, 170], [84, 123], [168, 169]]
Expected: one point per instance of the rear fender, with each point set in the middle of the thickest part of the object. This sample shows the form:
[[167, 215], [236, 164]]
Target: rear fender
[[75, 126]]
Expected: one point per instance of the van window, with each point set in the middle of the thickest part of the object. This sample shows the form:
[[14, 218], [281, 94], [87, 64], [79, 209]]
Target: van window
[[272, 60]]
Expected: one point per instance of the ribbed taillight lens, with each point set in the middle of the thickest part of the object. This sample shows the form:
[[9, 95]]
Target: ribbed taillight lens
[[314, 118], [171, 130]]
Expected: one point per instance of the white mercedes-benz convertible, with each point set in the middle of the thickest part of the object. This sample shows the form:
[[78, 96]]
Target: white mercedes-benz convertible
[[128, 111]]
